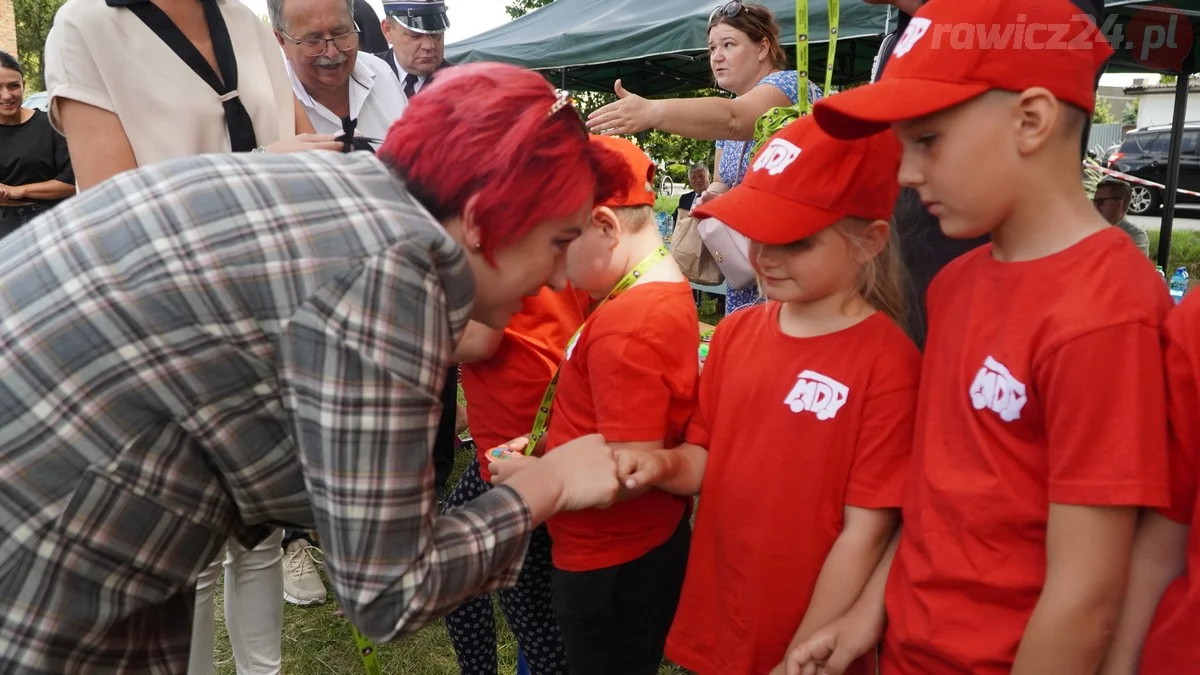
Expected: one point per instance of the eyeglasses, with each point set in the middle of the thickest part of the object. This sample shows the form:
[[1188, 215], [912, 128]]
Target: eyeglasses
[[1100, 200], [727, 10], [345, 42]]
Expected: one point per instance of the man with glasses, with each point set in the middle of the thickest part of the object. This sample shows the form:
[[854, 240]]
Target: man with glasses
[[416, 30], [1112, 201], [339, 87]]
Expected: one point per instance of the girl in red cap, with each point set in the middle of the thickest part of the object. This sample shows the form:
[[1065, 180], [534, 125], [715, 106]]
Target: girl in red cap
[[830, 380]]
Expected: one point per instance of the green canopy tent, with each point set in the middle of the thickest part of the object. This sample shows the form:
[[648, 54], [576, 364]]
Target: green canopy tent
[[659, 46]]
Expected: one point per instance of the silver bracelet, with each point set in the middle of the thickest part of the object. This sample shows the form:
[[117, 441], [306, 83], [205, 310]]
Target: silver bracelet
[[259, 149]]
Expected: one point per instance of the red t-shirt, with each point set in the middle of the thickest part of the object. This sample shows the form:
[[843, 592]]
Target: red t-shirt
[[630, 376], [504, 391], [1173, 645], [796, 428], [1042, 382]]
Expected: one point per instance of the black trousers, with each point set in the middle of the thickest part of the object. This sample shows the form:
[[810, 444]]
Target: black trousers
[[444, 443], [615, 620], [13, 217]]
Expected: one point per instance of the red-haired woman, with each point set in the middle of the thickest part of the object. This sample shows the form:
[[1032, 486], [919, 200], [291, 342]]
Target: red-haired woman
[[215, 346]]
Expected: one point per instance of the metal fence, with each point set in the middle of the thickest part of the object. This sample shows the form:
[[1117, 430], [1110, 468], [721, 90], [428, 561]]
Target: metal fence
[[1104, 135]]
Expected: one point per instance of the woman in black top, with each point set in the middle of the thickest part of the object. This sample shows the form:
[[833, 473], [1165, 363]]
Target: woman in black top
[[35, 169]]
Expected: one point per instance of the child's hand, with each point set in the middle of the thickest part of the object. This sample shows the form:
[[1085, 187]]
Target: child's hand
[[505, 463], [640, 468], [831, 650]]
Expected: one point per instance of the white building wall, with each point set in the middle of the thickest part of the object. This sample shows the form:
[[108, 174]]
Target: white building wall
[[1158, 109]]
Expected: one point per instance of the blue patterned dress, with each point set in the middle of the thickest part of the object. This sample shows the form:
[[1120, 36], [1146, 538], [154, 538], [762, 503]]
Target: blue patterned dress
[[735, 159]]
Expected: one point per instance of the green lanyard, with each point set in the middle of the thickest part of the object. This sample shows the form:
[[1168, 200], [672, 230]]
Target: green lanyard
[[542, 421], [777, 118], [802, 50], [366, 649]]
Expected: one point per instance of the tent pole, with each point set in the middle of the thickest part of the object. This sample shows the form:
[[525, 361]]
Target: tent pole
[[1177, 120]]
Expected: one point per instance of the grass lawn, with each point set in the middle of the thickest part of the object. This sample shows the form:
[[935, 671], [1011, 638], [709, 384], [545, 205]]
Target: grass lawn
[[317, 642]]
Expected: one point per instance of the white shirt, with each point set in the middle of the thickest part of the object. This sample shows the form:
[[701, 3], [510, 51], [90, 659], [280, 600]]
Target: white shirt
[[166, 109], [376, 100], [402, 73]]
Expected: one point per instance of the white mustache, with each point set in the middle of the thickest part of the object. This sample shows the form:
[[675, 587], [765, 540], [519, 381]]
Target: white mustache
[[326, 61]]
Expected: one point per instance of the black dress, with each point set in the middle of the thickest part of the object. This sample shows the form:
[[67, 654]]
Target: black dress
[[31, 152]]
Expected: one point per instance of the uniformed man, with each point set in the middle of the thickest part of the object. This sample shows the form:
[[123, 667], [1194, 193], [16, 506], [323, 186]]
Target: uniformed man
[[416, 29]]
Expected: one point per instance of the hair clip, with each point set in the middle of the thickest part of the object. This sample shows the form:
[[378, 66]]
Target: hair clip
[[562, 99]]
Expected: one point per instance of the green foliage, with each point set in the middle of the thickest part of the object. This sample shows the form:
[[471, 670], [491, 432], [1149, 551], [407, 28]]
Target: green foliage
[[1092, 176], [34, 18], [520, 8], [1185, 250], [1129, 117], [1103, 113], [708, 309], [678, 173], [665, 204]]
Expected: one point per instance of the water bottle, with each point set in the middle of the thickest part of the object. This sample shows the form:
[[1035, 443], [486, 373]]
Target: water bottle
[[1161, 273], [1179, 284]]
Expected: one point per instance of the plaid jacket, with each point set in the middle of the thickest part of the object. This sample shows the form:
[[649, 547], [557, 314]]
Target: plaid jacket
[[211, 347]]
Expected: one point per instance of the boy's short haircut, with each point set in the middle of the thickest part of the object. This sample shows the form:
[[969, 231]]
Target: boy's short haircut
[[1122, 190], [634, 218], [936, 65]]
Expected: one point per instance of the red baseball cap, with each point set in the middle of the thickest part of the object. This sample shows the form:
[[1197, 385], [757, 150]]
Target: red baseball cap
[[955, 50], [804, 180], [640, 189]]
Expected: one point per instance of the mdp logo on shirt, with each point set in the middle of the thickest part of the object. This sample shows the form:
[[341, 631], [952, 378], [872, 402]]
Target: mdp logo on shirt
[[997, 390], [818, 394]]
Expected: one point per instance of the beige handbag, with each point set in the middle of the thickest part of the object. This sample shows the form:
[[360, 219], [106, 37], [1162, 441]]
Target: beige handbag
[[694, 260]]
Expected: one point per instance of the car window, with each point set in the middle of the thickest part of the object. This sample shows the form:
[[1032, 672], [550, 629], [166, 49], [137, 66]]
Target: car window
[[1158, 144], [1190, 139], [1137, 144]]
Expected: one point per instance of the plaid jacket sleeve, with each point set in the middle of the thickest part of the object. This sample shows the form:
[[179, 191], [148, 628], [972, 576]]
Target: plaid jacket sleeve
[[362, 364]]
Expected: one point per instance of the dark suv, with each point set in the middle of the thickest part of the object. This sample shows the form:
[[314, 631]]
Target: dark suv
[[1144, 154]]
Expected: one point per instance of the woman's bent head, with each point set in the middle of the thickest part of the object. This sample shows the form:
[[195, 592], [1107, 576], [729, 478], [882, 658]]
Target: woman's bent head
[[504, 162]]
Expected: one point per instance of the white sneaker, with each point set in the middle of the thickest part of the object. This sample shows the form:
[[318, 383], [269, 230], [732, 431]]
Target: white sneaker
[[301, 582]]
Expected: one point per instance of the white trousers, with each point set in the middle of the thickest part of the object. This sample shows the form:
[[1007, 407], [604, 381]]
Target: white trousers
[[253, 608]]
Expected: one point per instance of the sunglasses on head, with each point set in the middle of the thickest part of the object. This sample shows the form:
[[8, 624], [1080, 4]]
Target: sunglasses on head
[[727, 10], [564, 99]]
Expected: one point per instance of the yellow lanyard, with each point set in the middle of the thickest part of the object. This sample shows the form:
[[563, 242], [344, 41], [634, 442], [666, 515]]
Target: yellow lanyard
[[542, 421], [833, 15]]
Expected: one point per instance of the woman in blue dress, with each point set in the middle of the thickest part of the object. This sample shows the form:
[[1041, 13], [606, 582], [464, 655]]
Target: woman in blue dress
[[746, 60]]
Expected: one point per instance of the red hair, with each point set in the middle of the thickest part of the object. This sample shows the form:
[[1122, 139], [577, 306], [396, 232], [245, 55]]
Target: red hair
[[484, 131]]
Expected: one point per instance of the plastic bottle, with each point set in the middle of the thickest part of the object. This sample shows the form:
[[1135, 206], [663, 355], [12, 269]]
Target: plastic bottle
[[703, 353], [1179, 284], [1161, 273]]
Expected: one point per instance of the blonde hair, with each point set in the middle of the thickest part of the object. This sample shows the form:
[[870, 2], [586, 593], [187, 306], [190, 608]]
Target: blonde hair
[[881, 279], [634, 218]]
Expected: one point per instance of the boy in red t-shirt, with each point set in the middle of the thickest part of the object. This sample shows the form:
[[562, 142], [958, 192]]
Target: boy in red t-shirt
[[1163, 596], [1040, 427], [629, 375]]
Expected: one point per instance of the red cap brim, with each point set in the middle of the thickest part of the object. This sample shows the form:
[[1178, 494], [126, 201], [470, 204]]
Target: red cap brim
[[867, 110], [765, 217]]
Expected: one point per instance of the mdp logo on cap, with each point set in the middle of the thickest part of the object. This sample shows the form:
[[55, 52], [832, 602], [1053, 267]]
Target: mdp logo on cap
[[776, 156]]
